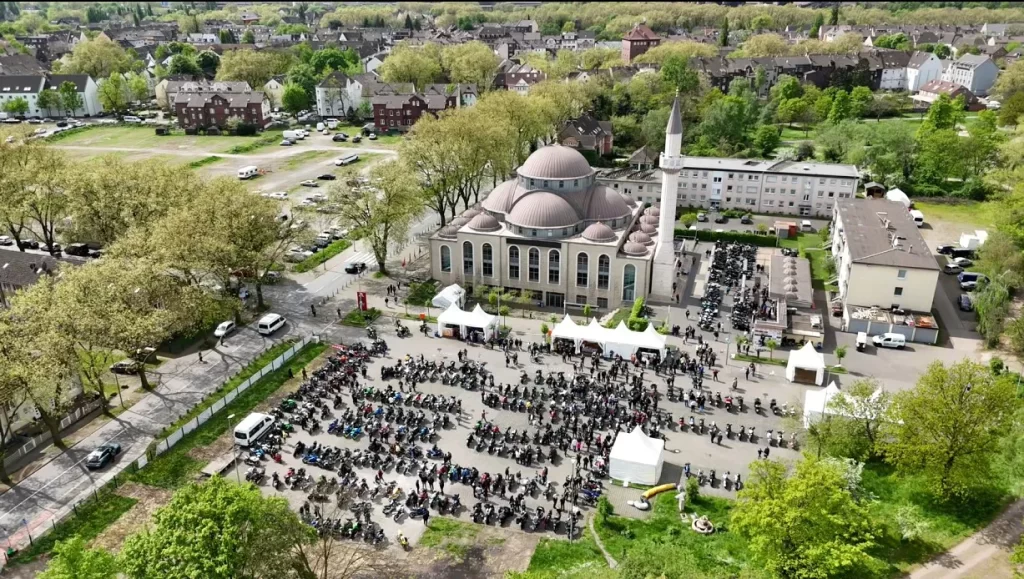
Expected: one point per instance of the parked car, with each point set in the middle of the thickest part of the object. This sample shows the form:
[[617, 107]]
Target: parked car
[[327, 177], [965, 303], [278, 195], [6, 240], [77, 249], [356, 139], [963, 261], [102, 456], [339, 138], [297, 255], [372, 136], [126, 366], [890, 340], [54, 249], [702, 217], [945, 249], [951, 268], [224, 329], [286, 143], [309, 183], [721, 218], [356, 267], [747, 219], [35, 121], [30, 244]]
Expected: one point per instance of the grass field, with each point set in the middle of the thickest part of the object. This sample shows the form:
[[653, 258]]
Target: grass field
[[312, 156], [977, 214], [146, 138]]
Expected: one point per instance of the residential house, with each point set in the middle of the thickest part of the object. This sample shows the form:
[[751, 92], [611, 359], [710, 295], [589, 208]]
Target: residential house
[[274, 89], [585, 133], [28, 87], [20, 65], [202, 38], [15, 87], [88, 92], [374, 61], [248, 18], [202, 110], [465, 95], [519, 77], [888, 69], [20, 271], [167, 90], [638, 41], [977, 73], [930, 91], [400, 112], [922, 68]]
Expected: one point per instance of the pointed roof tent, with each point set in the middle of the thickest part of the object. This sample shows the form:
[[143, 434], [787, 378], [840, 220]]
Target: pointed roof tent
[[675, 121]]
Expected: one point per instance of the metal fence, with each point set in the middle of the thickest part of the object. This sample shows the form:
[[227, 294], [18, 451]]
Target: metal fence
[[40, 439], [24, 532]]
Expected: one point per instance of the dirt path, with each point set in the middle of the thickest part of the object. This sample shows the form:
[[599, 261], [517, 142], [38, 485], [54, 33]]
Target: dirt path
[[150, 499], [612, 563], [979, 555]]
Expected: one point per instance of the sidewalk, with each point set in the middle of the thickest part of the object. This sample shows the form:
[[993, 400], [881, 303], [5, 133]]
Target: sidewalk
[[984, 554]]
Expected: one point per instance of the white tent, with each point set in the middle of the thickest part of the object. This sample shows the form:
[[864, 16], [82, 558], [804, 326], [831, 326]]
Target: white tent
[[816, 401], [618, 341], [636, 458], [478, 319], [806, 365], [453, 294], [898, 196]]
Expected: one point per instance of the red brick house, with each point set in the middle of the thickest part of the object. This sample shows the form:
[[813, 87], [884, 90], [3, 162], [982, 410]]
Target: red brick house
[[587, 134], [638, 41], [215, 109], [400, 112]]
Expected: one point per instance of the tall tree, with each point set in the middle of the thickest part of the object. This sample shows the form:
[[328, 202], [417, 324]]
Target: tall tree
[[254, 67], [70, 98], [138, 87], [470, 62], [248, 37], [819, 20], [49, 99], [807, 524], [723, 33], [17, 106], [73, 560], [420, 65], [218, 530], [294, 99], [97, 58], [948, 426], [113, 94], [833, 18], [842, 108]]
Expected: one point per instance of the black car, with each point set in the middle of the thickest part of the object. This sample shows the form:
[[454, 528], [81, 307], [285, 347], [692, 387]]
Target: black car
[[965, 303], [77, 249], [339, 138], [54, 249], [356, 139], [327, 177], [357, 267], [945, 249], [721, 218], [126, 366], [30, 244], [746, 220], [103, 455]]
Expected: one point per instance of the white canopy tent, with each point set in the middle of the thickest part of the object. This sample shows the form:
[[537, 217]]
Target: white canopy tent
[[898, 196], [478, 319], [453, 294], [636, 458], [806, 365], [618, 341], [816, 402]]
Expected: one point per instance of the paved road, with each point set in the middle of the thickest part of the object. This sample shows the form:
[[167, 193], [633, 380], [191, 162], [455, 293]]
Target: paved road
[[978, 555]]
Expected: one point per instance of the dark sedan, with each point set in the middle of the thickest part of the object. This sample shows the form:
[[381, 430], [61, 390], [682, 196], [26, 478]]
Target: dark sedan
[[102, 456]]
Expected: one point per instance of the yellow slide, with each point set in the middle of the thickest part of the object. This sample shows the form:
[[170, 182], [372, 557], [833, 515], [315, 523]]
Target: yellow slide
[[658, 489]]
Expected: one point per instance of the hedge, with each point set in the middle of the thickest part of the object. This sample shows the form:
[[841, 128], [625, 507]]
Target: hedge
[[737, 237]]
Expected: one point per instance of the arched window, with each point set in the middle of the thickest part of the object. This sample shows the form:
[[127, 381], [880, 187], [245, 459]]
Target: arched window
[[534, 258], [467, 258], [554, 267], [513, 262], [604, 266], [629, 283], [582, 269], [446, 259], [488, 260]]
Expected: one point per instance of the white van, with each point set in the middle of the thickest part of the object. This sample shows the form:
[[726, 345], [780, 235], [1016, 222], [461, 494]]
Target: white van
[[320, 127], [248, 172], [917, 216], [805, 225], [332, 124], [269, 324], [890, 340], [252, 428], [346, 159], [294, 135], [131, 119]]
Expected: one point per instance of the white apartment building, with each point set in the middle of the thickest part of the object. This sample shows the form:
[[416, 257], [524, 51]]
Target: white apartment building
[[29, 87], [923, 68], [976, 73], [881, 259], [795, 188]]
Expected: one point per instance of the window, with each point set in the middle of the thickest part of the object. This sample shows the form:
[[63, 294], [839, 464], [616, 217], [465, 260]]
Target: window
[[446, 259], [513, 262], [770, 179], [554, 267], [602, 303], [899, 291], [603, 271], [629, 283], [730, 175], [534, 259], [717, 179], [582, 270], [488, 260], [467, 258]]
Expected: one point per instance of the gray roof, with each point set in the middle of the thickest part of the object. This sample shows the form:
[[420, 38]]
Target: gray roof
[[675, 121], [23, 269], [234, 99], [972, 60], [20, 64], [918, 59], [555, 162], [21, 84], [79, 80], [542, 209], [790, 279], [881, 232]]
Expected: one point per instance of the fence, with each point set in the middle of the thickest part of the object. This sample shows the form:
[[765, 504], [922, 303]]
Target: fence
[[21, 534], [38, 440]]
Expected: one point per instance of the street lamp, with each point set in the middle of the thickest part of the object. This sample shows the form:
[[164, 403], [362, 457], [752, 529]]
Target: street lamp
[[234, 450]]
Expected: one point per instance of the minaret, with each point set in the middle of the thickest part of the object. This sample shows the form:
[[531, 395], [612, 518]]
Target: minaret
[[671, 163]]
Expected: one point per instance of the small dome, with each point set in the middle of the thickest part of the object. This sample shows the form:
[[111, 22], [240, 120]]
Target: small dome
[[459, 221], [634, 248], [640, 237], [650, 219], [790, 269], [789, 260], [598, 232], [544, 210], [653, 211], [629, 200], [791, 295], [606, 205], [788, 280], [484, 222], [555, 162], [448, 231], [649, 229], [792, 288], [471, 213], [500, 199]]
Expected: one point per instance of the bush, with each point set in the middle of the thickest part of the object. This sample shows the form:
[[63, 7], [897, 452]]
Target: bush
[[245, 130], [604, 509], [321, 256], [997, 365], [361, 319], [692, 489]]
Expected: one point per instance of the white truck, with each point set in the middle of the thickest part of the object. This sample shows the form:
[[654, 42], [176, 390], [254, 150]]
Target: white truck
[[294, 135]]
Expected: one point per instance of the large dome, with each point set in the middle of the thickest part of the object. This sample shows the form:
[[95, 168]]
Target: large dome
[[544, 210], [500, 199], [598, 232], [606, 204], [555, 162]]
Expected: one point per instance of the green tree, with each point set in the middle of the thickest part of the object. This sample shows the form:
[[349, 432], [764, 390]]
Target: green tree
[[70, 98], [113, 94], [842, 108], [138, 87], [806, 525], [418, 65], [469, 62], [860, 101], [248, 37], [944, 113], [208, 62], [819, 20], [254, 67], [723, 33], [1012, 110], [857, 414], [48, 100], [183, 64], [840, 354], [947, 428], [766, 140], [294, 99], [771, 345], [833, 18], [72, 560], [220, 530], [98, 58], [346, 61], [786, 87], [227, 36], [17, 106], [678, 74]]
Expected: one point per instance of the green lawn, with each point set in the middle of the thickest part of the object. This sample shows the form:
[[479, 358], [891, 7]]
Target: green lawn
[[970, 213], [299, 159], [442, 529], [556, 555], [323, 255], [145, 137], [810, 245]]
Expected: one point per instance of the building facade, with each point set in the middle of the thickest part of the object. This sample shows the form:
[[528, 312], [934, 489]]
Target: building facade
[[976, 73], [585, 133], [772, 187], [923, 68], [638, 41], [28, 87], [205, 110], [881, 259]]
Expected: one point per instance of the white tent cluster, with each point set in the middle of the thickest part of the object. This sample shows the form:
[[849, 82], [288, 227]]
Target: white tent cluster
[[636, 458], [806, 359], [816, 404], [618, 341], [477, 319]]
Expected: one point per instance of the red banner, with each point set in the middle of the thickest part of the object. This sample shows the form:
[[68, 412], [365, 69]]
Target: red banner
[[361, 300]]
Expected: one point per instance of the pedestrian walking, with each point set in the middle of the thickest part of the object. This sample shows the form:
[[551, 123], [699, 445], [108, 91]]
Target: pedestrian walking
[[386, 303], [748, 375], [426, 517], [312, 309], [339, 313], [760, 453], [766, 451], [201, 357], [736, 383]]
